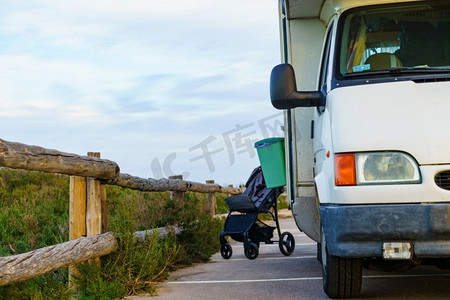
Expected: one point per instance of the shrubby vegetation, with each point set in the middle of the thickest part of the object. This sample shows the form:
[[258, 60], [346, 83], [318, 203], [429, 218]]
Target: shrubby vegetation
[[34, 210]]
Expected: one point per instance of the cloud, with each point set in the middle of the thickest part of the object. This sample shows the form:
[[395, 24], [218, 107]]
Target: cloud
[[136, 80]]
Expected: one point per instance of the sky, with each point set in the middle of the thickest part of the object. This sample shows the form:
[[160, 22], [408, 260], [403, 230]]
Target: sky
[[160, 87]]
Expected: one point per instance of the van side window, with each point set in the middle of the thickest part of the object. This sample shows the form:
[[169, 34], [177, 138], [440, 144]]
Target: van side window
[[324, 67], [325, 61]]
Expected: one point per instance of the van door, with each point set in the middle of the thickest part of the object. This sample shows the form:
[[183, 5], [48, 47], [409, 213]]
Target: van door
[[305, 208], [322, 127]]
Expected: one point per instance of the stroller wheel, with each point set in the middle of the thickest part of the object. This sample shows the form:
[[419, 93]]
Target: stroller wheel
[[226, 251], [286, 243], [251, 251]]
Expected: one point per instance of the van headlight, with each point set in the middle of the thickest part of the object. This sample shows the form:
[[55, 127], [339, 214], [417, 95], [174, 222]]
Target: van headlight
[[386, 168]]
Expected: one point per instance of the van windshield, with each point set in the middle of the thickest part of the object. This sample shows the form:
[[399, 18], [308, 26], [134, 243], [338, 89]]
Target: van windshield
[[407, 38]]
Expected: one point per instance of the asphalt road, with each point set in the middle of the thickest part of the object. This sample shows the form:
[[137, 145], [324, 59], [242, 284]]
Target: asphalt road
[[274, 276]]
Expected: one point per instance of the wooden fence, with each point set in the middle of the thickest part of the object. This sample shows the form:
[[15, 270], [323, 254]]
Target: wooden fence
[[87, 216]]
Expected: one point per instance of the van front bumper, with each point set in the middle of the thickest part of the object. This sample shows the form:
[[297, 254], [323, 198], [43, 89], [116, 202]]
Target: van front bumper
[[361, 230]]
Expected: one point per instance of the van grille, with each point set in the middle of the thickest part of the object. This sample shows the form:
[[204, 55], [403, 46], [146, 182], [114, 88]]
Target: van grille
[[443, 180]]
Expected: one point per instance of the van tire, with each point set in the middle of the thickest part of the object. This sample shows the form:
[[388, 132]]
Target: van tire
[[341, 277]]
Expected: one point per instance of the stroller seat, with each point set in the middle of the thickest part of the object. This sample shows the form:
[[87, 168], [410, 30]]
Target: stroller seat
[[242, 223], [241, 203]]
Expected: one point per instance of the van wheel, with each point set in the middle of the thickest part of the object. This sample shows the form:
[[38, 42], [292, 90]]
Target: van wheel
[[341, 277]]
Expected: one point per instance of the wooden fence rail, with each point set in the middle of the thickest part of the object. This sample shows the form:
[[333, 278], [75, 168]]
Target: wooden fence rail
[[42, 261], [176, 185], [21, 156], [87, 216]]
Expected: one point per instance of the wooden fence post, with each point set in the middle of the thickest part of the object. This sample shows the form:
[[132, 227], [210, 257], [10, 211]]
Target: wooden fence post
[[95, 215], [211, 198], [87, 210], [77, 210], [175, 196], [230, 186], [77, 215], [104, 209]]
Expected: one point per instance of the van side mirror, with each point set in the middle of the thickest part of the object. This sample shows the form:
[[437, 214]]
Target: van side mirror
[[283, 90]]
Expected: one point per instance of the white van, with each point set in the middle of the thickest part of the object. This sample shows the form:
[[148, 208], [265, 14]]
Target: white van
[[367, 124]]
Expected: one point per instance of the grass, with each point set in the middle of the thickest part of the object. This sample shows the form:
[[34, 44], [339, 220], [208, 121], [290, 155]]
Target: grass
[[282, 202], [34, 210]]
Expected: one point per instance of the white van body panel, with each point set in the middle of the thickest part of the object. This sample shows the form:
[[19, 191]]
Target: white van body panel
[[305, 55], [375, 119], [354, 124]]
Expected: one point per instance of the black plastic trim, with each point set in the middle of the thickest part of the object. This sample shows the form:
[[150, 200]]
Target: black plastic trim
[[361, 230]]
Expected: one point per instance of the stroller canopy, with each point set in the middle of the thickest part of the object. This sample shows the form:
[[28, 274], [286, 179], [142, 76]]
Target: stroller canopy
[[255, 194]]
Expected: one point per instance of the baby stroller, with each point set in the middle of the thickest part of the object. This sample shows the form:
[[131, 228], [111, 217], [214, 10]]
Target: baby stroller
[[243, 225]]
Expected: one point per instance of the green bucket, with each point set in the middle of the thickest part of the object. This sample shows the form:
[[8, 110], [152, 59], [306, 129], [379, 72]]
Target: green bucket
[[271, 157]]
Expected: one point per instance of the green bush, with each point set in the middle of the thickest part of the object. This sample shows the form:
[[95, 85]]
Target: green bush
[[34, 211], [199, 240], [134, 267], [222, 207]]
